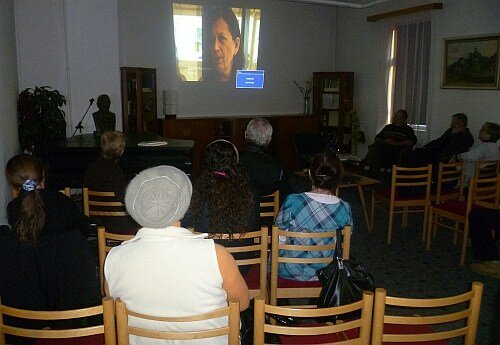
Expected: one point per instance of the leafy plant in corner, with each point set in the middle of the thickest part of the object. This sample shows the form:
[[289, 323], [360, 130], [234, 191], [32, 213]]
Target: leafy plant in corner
[[42, 123]]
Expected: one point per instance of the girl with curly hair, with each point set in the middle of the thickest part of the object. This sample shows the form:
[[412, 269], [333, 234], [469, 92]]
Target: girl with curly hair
[[222, 201]]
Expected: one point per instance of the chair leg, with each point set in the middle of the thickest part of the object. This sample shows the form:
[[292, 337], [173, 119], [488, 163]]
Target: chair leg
[[405, 218], [424, 225], [464, 242], [391, 218], [372, 214], [429, 231]]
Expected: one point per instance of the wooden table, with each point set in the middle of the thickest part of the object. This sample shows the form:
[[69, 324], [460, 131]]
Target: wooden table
[[353, 180]]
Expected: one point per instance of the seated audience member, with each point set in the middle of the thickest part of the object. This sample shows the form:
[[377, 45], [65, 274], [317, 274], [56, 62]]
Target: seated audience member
[[166, 270], [389, 143], [222, 200], [486, 149], [45, 260], [485, 252], [265, 172], [319, 210], [455, 140], [105, 174]]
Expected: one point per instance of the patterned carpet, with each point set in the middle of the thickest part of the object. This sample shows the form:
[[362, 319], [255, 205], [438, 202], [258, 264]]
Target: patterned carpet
[[405, 269]]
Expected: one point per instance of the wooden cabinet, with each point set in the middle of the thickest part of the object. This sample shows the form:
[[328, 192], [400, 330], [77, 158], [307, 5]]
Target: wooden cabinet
[[204, 130], [332, 102], [139, 100]]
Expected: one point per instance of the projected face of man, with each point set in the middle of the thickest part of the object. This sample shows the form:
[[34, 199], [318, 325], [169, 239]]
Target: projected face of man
[[224, 49]]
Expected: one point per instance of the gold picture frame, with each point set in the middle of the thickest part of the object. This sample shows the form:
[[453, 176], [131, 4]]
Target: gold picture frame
[[471, 62]]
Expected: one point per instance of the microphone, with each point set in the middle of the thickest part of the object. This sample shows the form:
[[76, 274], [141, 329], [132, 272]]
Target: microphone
[[79, 126], [91, 100]]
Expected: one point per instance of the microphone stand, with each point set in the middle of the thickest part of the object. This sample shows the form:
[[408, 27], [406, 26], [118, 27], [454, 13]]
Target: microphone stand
[[79, 126]]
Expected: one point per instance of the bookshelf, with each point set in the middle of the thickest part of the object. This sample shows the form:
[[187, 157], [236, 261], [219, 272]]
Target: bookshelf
[[332, 101], [139, 100]]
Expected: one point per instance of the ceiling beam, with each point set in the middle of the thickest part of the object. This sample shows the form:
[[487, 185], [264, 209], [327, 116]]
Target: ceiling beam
[[405, 11]]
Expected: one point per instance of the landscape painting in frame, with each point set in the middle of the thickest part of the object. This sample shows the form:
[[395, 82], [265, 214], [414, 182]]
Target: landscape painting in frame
[[471, 62]]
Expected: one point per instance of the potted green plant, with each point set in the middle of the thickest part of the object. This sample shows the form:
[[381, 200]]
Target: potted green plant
[[357, 135], [42, 122]]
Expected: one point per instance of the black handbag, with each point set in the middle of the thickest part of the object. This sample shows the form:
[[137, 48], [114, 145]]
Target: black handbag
[[343, 281]]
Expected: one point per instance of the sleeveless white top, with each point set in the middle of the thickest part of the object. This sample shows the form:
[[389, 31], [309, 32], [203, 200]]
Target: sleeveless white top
[[168, 272]]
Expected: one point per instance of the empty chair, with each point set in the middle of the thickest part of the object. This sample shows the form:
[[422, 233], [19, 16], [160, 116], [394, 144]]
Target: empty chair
[[106, 241], [409, 193], [180, 324], [487, 168], [269, 208], [283, 253], [406, 327], [104, 333], [449, 184], [482, 192], [355, 331]]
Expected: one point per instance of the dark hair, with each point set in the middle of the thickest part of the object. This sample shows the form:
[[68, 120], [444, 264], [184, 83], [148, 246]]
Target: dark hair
[[462, 118], [20, 169], [493, 129], [222, 190], [402, 112], [227, 15], [103, 101], [326, 171], [112, 145]]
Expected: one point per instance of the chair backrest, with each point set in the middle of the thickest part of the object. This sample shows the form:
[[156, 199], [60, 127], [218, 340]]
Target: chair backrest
[[417, 179], [232, 329], [106, 241], [270, 205], [107, 328], [66, 191], [279, 255], [450, 182], [259, 252], [339, 331], [487, 168], [408, 324], [102, 204], [484, 192]]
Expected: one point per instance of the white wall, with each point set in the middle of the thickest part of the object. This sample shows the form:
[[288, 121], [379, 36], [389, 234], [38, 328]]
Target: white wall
[[72, 46], [8, 97], [358, 49]]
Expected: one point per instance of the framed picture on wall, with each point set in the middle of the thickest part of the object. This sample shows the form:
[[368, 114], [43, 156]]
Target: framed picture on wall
[[471, 62]]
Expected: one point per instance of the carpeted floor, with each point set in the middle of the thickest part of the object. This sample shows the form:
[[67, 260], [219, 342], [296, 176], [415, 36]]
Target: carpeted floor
[[405, 269]]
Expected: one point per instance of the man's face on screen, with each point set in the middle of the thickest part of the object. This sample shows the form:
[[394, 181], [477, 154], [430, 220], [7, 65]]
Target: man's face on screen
[[224, 49]]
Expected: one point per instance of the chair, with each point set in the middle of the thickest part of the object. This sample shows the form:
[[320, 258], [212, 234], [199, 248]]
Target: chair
[[306, 146], [349, 332], [410, 187], [124, 329], [269, 208], [288, 288], [482, 192], [101, 334], [389, 328], [66, 191], [105, 242], [102, 204], [487, 168], [449, 184], [256, 277]]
